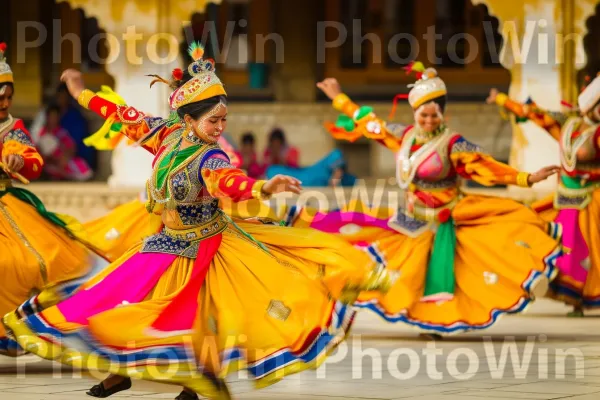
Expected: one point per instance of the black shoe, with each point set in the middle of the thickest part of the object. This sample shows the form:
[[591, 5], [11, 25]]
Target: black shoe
[[185, 395], [101, 392]]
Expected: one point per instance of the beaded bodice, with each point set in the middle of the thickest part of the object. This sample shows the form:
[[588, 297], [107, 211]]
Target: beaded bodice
[[186, 201], [580, 162]]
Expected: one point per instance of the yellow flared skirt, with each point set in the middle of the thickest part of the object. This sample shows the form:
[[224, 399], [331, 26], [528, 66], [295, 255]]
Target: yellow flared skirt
[[34, 253], [503, 258], [262, 297], [122, 228]]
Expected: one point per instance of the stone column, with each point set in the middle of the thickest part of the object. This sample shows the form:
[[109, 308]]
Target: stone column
[[26, 68], [143, 39], [554, 31]]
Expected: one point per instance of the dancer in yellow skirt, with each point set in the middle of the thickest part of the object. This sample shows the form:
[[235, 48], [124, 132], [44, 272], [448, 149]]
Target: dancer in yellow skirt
[[462, 260], [129, 223], [40, 261], [576, 203], [205, 296]]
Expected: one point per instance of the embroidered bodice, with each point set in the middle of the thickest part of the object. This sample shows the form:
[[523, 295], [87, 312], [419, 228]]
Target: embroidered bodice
[[187, 201], [579, 149]]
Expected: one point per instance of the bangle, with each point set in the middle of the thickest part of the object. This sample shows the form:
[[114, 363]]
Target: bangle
[[85, 97], [501, 99], [257, 191], [523, 179], [339, 101]]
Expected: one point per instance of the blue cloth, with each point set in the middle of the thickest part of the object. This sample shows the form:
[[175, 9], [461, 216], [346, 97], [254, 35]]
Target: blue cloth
[[77, 126], [317, 175]]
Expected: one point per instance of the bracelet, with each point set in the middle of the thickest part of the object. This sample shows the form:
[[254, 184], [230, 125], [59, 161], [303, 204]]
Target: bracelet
[[501, 99], [257, 191], [339, 101], [523, 179], [85, 97]]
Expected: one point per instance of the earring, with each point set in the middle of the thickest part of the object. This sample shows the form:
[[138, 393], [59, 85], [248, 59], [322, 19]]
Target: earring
[[190, 136]]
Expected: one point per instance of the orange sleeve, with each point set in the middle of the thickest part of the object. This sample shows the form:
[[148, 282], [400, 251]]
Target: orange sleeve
[[222, 180], [360, 121], [531, 112], [471, 162], [18, 142], [147, 131]]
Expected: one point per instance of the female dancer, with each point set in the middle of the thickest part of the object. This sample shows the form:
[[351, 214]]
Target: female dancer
[[37, 247], [129, 223], [205, 296], [576, 203], [462, 260]]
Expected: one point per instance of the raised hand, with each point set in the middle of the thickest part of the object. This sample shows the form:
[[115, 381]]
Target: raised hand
[[74, 81], [282, 183], [331, 87], [492, 97]]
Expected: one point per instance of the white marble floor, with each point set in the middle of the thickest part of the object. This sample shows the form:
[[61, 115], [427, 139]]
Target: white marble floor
[[537, 355]]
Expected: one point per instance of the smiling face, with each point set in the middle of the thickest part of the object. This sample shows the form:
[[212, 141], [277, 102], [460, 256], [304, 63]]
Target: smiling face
[[6, 96], [428, 117], [211, 125]]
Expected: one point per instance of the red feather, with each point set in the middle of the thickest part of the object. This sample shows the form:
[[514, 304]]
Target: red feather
[[178, 74], [3, 47]]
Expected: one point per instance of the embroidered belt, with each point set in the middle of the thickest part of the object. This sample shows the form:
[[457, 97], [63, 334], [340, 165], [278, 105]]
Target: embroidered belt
[[430, 214], [421, 219], [579, 199], [215, 226]]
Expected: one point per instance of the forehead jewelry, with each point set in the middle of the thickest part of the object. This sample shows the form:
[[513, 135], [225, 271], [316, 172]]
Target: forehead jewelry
[[215, 110]]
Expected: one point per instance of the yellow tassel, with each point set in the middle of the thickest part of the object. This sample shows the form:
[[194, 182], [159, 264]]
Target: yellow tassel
[[107, 93], [104, 138]]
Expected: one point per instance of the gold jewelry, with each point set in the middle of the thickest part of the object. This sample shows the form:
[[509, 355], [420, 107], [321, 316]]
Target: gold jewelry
[[257, 191], [523, 179], [191, 137], [501, 99], [340, 100], [85, 97]]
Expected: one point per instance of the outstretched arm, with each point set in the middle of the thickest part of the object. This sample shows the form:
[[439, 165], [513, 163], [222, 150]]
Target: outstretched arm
[[356, 121], [223, 180], [147, 131], [471, 162], [19, 153], [531, 112]]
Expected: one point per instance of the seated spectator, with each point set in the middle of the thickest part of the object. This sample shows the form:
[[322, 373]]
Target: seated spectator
[[58, 149], [278, 152], [249, 157], [75, 123]]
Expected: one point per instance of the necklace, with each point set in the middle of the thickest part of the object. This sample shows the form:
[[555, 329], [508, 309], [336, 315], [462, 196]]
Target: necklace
[[424, 137]]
